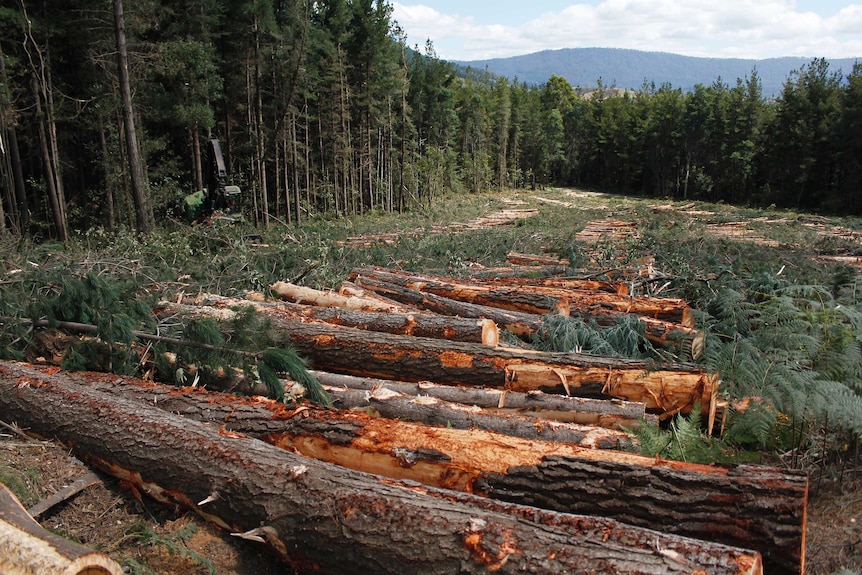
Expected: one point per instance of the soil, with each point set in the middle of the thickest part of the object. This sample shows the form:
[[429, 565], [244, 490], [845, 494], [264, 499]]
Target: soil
[[148, 538]]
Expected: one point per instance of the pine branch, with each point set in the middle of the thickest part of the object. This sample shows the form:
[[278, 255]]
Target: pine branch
[[269, 361]]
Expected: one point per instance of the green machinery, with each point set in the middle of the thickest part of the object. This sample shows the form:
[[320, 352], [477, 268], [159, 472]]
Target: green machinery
[[218, 197]]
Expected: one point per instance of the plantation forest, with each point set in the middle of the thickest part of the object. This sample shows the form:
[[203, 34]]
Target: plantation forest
[[323, 108]]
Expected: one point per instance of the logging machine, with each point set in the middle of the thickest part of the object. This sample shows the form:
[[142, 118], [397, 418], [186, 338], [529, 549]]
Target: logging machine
[[218, 198]]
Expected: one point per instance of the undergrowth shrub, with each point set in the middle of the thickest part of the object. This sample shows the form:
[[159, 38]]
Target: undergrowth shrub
[[790, 359]]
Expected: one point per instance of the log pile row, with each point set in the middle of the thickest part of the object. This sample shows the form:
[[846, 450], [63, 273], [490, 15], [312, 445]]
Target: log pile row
[[330, 491], [609, 228], [472, 455], [506, 216]]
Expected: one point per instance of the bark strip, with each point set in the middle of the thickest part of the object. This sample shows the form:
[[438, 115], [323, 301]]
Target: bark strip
[[478, 330]]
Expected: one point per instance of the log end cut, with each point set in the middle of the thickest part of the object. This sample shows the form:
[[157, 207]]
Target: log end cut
[[28, 549]]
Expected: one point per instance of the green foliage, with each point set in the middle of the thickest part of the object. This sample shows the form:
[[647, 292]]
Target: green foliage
[[624, 339], [682, 440], [117, 308], [220, 350], [286, 360]]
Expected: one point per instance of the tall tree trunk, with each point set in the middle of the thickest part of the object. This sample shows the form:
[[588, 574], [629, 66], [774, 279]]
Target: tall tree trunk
[[140, 194], [294, 156], [55, 200], [196, 154], [261, 142], [17, 193], [41, 87], [109, 184]]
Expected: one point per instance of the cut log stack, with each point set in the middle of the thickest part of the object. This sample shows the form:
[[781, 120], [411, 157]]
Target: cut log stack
[[587, 510], [515, 451]]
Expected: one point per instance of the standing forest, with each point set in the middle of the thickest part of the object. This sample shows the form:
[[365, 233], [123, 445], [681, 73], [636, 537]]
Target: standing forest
[[324, 108]]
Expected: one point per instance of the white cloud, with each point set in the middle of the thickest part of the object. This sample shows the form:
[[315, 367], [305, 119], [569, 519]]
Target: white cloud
[[720, 28]]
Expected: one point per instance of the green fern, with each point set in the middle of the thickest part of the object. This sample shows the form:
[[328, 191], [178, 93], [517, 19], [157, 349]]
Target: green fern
[[795, 351], [683, 440]]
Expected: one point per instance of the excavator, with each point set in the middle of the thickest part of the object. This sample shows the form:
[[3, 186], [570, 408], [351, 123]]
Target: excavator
[[218, 200]]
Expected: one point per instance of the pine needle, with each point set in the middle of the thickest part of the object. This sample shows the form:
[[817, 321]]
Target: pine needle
[[286, 360]]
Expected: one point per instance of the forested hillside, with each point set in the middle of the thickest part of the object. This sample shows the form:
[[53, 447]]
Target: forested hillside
[[321, 109], [629, 69]]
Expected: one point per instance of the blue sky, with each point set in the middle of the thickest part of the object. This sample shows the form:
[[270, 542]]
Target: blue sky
[[479, 29]]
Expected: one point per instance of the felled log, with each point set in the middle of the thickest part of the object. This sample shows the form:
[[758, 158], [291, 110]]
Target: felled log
[[352, 290], [725, 504], [666, 389], [535, 260], [519, 323], [426, 410], [421, 325], [324, 518], [537, 299], [300, 294], [614, 414], [511, 299], [258, 416], [688, 341], [28, 549], [618, 288], [512, 271]]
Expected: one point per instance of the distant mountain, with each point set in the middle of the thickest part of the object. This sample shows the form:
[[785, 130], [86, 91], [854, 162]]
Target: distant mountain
[[583, 67]]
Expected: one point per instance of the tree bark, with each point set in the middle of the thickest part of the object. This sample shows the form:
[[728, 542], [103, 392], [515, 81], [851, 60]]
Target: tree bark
[[323, 518], [299, 294], [535, 260], [537, 299], [666, 389], [532, 301], [28, 549], [353, 290], [518, 323], [752, 509], [432, 411], [611, 414], [421, 325], [140, 194], [618, 288]]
